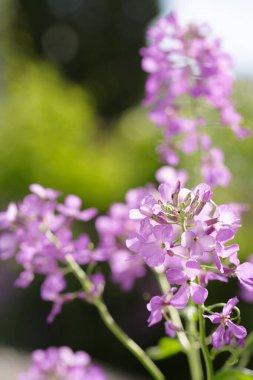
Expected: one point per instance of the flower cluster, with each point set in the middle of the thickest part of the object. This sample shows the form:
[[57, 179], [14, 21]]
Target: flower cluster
[[185, 235], [39, 231], [187, 70], [182, 235], [114, 228], [63, 364]]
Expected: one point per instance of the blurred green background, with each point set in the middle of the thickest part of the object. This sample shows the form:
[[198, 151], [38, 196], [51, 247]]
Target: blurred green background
[[70, 93]]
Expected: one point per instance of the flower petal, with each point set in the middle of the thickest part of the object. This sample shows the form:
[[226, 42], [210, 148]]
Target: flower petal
[[218, 337], [214, 318], [198, 293], [227, 309], [176, 276], [237, 330], [181, 298]]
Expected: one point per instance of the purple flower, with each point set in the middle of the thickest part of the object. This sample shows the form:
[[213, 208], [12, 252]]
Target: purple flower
[[213, 169], [155, 246], [158, 304], [52, 286], [126, 268], [62, 363], [227, 332], [197, 240], [72, 209], [185, 279]]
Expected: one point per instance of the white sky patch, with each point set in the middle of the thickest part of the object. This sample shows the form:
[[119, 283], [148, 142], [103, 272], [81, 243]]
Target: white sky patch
[[232, 20]]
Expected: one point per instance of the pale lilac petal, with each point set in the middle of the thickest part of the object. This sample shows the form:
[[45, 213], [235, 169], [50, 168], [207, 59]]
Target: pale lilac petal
[[196, 249], [167, 174], [225, 234], [153, 254], [238, 331], [24, 280], [217, 262], [218, 337], [204, 191], [135, 214], [214, 318], [7, 245], [245, 270], [43, 192], [210, 276], [73, 201], [227, 309], [155, 306], [187, 239], [165, 192], [181, 298], [193, 269], [163, 233], [134, 244], [176, 276], [87, 214], [207, 242], [52, 286], [198, 293]]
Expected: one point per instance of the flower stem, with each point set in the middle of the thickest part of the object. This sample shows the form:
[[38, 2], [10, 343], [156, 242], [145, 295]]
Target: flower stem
[[205, 351], [194, 352], [110, 323], [127, 342], [188, 346]]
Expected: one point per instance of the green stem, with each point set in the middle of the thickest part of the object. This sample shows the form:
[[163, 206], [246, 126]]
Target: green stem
[[194, 352], [188, 347], [127, 342], [110, 323], [205, 351]]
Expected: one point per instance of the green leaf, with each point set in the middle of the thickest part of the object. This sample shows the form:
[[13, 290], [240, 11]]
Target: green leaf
[[235, 374], [165, 348]]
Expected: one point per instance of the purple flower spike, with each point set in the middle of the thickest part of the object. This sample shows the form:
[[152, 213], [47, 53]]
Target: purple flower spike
[[38, 231], [187, 62]]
